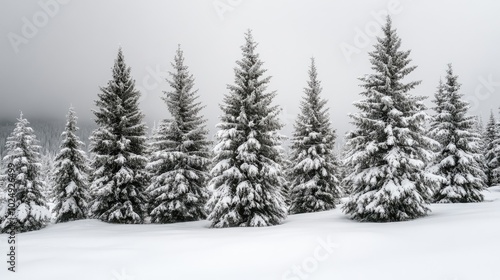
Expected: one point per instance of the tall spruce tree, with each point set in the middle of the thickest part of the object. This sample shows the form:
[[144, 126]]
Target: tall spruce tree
[[314, 183], [30, 210], [180, 154], [492, 153], [70, 176], [248, 180], [458, 161], [119, 178], [388, 149]]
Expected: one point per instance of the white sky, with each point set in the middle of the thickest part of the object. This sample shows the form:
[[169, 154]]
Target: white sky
[[70, 55]]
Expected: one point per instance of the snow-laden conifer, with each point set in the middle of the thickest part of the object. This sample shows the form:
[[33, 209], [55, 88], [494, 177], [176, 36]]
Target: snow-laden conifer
[[30, 211], [314, 168], [70, 176], [180, 153], [388, 149], [47, 163], [119, 178], [492, 146], [248, 179], [458, 160]]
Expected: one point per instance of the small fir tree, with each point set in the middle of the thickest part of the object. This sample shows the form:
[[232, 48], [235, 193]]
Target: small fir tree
[[248, 180], [314, 183], [180, 154], [47, 161], [458, 161], [491, 140], [30, 211], [70, 176]]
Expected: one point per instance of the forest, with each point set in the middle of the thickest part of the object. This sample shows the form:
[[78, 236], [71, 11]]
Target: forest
[[398, 158]]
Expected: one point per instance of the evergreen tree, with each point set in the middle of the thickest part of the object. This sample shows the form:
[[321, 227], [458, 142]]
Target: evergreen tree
[[388, 149], [314, 185], [119, 178], [458, 161], [344, 171], [491, 140], [287, 167], [70, 176], [47, 161], [30, 211], [180, 154], [248, 179], [479, 129], [439, 100]]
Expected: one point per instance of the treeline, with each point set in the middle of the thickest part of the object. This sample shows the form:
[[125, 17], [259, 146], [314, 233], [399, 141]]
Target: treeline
[[48, 132], [397, 159]]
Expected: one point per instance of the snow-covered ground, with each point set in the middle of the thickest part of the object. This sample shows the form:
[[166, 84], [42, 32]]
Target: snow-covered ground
[[455, 242]]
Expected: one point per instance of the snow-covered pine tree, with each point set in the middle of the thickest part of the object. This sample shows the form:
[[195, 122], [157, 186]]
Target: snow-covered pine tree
[[47, 162], [479, 129], [344, 171], [492, 142], [119, 178], [388, 149], [70, 176], [439, 100], [287, 167], [458, 161], [313, 178], [479, 126], [180, 154], [247, 176], [31, 212]]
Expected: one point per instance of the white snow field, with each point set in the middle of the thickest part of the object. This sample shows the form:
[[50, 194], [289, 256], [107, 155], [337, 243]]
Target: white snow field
[[455, 242]]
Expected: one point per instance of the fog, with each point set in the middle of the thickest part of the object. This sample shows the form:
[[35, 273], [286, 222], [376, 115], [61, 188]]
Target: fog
[[57, 53]]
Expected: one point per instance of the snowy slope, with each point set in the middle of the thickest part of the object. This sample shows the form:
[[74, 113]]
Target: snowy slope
[[455, 242]]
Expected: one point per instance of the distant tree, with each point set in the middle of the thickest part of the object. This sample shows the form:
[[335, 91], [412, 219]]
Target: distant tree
[[492, 153], [70, 176], [118, 176], [439, 101], [287, 167], [344, 171], [248, 179], [314, 183], [30, 210], [479, 129], [458, 161], [47, 163], [388, 149], [180, 154]]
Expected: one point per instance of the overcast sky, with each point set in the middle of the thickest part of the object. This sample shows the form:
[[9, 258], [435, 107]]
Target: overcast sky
[[57, 53]]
